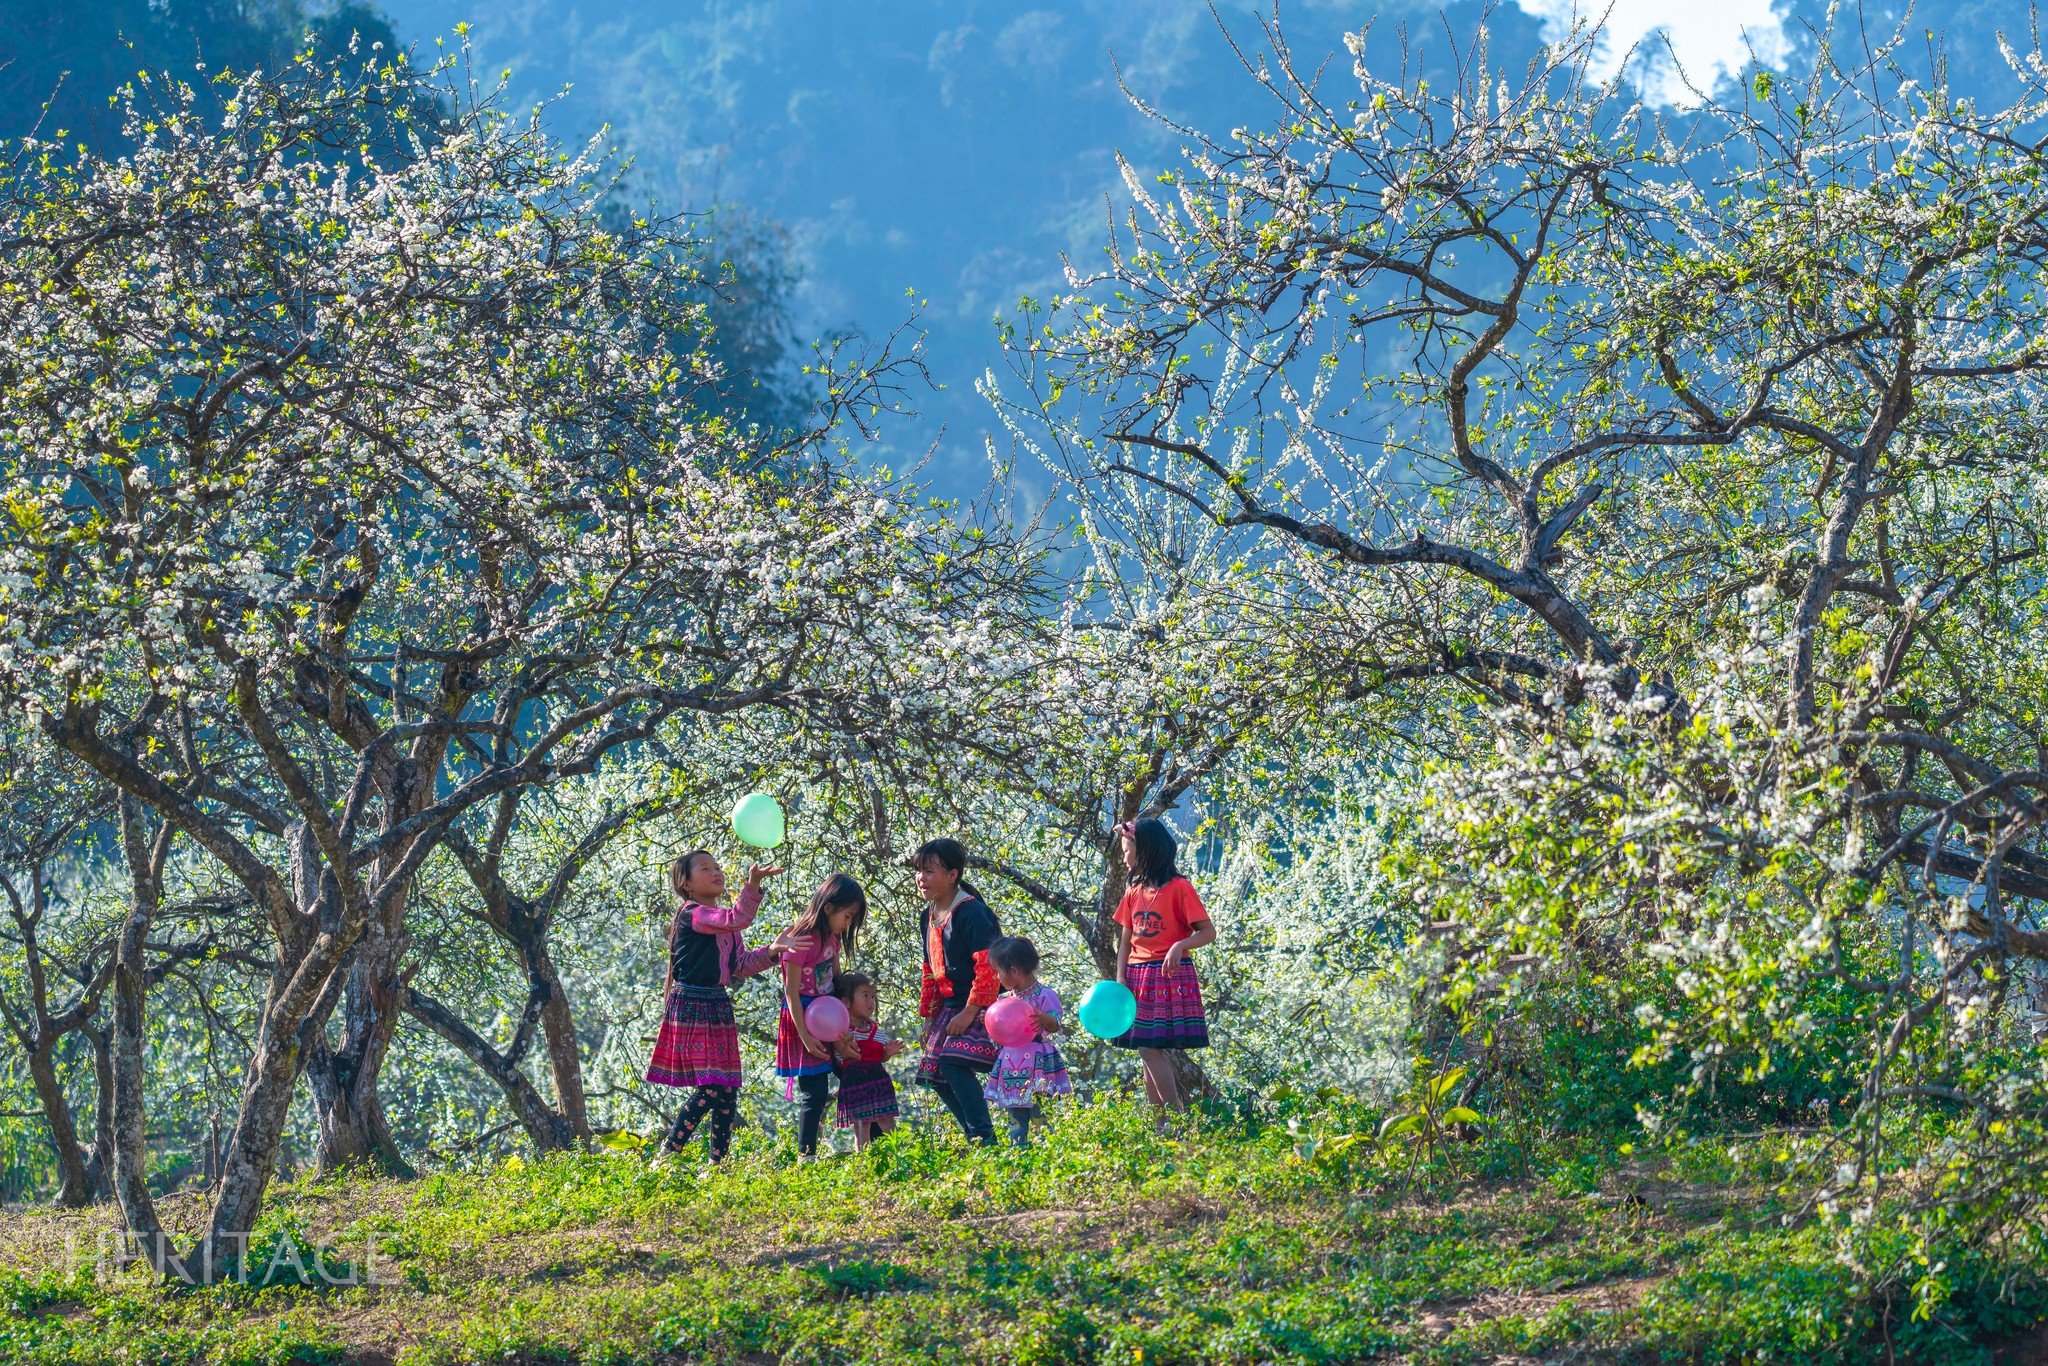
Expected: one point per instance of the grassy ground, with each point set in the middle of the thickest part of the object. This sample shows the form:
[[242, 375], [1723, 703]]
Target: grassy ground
[[1232, 1240]]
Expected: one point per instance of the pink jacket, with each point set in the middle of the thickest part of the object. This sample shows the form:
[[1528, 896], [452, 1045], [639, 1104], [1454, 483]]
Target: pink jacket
[[724, 925]]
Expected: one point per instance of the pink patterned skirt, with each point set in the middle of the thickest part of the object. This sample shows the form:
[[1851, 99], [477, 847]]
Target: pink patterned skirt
[[699, 1043], [1170, 1013], [973, 1047], [791, 1061]]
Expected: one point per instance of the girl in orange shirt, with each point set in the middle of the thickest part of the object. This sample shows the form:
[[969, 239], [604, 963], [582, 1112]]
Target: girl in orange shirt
[[1162, 919]]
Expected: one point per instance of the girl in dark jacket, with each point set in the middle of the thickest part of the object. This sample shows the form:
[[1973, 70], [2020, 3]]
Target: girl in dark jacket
[[956, 928]]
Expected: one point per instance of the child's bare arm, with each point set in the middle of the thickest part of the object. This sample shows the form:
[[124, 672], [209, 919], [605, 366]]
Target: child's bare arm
[[1200, 933]]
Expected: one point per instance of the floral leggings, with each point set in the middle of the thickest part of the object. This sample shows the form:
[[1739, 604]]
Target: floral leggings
[[721, 1103]]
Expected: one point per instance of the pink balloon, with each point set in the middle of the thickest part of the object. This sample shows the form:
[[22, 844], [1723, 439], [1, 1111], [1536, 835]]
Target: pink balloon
[[826, 1018], [1012, 1022]]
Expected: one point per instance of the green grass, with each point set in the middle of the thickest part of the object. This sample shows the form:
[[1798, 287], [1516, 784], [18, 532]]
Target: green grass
[[1105, 1242]]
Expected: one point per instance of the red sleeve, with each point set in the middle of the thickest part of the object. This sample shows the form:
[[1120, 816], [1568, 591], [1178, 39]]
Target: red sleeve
[[1190, 907], [986, 988], [1122, 915]]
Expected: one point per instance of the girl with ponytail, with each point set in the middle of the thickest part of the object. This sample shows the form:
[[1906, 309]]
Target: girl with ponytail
[[957, 928]]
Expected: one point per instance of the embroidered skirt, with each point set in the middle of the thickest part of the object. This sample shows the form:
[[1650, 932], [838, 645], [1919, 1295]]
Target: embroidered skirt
[[791, 1061], [1169, 1008], [865, 1092], [699, 1043], [1024, 1074], [974, 1047]]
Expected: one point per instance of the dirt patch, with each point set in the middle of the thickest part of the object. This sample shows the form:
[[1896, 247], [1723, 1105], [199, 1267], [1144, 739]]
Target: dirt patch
[[1651, 1186], [1445, 1317]]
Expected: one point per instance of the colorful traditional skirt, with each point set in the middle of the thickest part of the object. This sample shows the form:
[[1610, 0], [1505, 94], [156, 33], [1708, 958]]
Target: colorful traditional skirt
[[865, 1092], [791, 1061], [699, 1044], [1169, 1008], [974, 1047], [1023, 1074]]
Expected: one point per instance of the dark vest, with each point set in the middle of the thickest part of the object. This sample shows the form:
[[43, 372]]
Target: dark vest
[[693, 956]]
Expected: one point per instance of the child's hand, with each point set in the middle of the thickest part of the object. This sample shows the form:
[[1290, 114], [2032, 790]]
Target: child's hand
[[1046, 1023], [755, 874], [891, 1049], [1173, 957], [958, 1025], [849, 1051], [791, 942], [808, 1039]]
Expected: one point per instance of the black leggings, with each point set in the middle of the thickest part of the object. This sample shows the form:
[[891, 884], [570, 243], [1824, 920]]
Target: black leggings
[[815, 1090], [960, 1088], [721, 1103]]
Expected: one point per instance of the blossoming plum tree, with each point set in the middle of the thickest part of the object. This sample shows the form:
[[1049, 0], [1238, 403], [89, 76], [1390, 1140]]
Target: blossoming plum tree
[[1711, 442], [355, 486]]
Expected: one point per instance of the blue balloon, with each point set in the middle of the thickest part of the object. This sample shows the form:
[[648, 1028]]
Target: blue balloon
[[1108, 1010]]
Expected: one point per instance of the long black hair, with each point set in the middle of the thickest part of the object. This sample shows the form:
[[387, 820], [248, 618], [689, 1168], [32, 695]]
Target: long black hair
[[1153, 844], [835, 891], [949, 854]]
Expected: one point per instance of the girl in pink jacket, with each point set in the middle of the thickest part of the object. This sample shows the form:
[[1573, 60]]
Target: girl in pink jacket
[[699, 1043]]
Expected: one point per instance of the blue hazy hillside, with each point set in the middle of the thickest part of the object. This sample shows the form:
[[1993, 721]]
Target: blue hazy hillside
[[955, 148], [951, 147]]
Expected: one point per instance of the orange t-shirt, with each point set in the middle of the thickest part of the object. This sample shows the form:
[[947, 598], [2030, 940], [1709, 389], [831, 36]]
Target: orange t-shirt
[[1159, 918]]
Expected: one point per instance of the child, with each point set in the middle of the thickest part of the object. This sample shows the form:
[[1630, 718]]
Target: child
[[838, 909], [1024, 1072], [1162, 920], [867, 1096], [699, 1043], [957, 927]]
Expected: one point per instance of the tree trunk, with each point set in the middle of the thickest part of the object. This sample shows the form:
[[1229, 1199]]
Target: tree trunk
[[130, 986], [74, 1182], [551, 1128], [305, 982], [547, 1130], [353, 1132], [565, 1052], [269, 1081], [40, 1033], [1102, 944], [99, 1166]]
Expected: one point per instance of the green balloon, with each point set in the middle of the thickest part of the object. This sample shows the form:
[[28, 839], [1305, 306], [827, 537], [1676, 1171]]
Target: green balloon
[[1108, 1010], [757, 820]]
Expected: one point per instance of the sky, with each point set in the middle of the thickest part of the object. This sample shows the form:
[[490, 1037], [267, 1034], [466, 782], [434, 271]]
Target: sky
[[1674, 43], [960, 151]]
